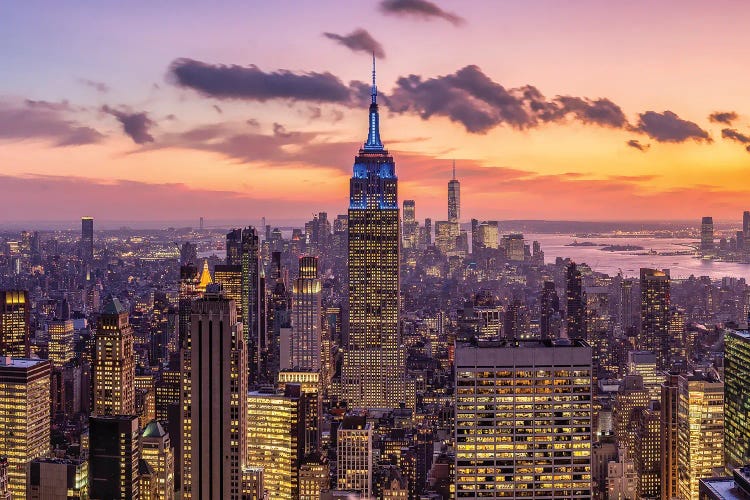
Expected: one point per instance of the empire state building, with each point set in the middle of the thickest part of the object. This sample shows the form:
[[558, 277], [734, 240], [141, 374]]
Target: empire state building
[[373, 373]]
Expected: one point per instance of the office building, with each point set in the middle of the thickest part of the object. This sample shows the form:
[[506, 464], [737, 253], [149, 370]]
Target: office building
[[549, 308], [275, 434], [57, 479], [622, 478], [668, 436], [4, 486], [707, 235], [700, 431], [654, 332], [454, 198], [60, 346], [409, 232], [354, 456], [737, 399], [302, 352], [114, 362], [523, 419], [230, 279], [15, 323], [373, 372], [24, 416], [114, 453], [214, 371], [643, 363], [314, 479], [157, 451], [746, 224], [647, 451], [631, 397], [734, 487], [311, 405], [87, 239], [575, 310]]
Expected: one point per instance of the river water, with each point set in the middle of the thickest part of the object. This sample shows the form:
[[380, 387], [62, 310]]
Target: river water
[[680, 266]]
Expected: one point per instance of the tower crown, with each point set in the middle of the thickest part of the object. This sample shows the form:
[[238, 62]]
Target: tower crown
[[373, 142]]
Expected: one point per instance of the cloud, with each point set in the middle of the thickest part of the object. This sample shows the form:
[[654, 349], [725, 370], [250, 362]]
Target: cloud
[[359, 40], [634, 143], [44, 120], [98, 86], [135, 124], [725, 117], [473, 99], [668, 127], [734, 135], [421, 9], [218, 109], [251, 83]]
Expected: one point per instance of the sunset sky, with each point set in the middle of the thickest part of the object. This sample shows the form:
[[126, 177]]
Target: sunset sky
[[586, 110]]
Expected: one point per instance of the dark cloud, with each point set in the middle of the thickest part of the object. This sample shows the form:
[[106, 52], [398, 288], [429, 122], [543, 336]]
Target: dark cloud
[[359, 40], [634, 143], [735, 135], [218, 109], [44, 120], [98, 86], [725, 117], [137, 125], [421, 9], [473, 99], [251, 83], [668, 127]]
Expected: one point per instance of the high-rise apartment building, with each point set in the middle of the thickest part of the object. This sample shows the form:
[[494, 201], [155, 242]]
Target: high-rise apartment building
[[24, 416], [275, 434], [15, 323], [654, 332], [454, 198], [373, 372], [87, 239], [575, 311], [700, 431], [114, 453], [114, 362], [523, 417], [214, 385], [354, 456], [302, 351], [737, 399]]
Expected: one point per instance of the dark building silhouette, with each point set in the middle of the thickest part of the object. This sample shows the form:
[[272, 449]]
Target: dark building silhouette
[[575, 306], [114, 453]]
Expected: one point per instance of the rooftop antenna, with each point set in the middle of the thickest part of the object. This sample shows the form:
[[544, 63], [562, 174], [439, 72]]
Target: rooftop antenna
[[454, 170], [374, 92]]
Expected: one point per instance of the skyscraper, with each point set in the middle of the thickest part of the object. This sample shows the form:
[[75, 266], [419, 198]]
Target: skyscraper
[[737, 399], [214, 371], [707, 234], [454, 197], [575, 307], [746, 224], [410, 224], [654, 332], [114, 362], [15, 323], [156, 449], [373, 373], [549, 306], [523, 416], [57, 478], [275, 439], [252, 294], [61, 341], [354, 456], [87, 239], [114, 453], [24, 416], [700, 431], [303, 349], [668, 436]]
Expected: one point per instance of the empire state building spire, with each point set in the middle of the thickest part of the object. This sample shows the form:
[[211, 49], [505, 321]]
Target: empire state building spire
[[373, 134]]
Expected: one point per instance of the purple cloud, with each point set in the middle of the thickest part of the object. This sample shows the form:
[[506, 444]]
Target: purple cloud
[[668, 127], [135, 124], [45, 120], [421, 9], [725, 117], [359, 40]]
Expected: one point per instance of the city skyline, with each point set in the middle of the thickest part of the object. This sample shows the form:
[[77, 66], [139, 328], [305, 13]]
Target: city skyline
[[190, 129]]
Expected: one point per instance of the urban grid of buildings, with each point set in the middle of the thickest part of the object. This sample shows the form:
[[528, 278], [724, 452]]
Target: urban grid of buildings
[[371, 356]]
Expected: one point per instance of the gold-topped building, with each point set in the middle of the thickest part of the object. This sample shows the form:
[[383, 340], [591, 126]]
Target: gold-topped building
[[14, 323]]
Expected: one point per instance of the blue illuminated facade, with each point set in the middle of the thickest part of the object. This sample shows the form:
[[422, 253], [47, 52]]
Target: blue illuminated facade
[[374, 181]]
